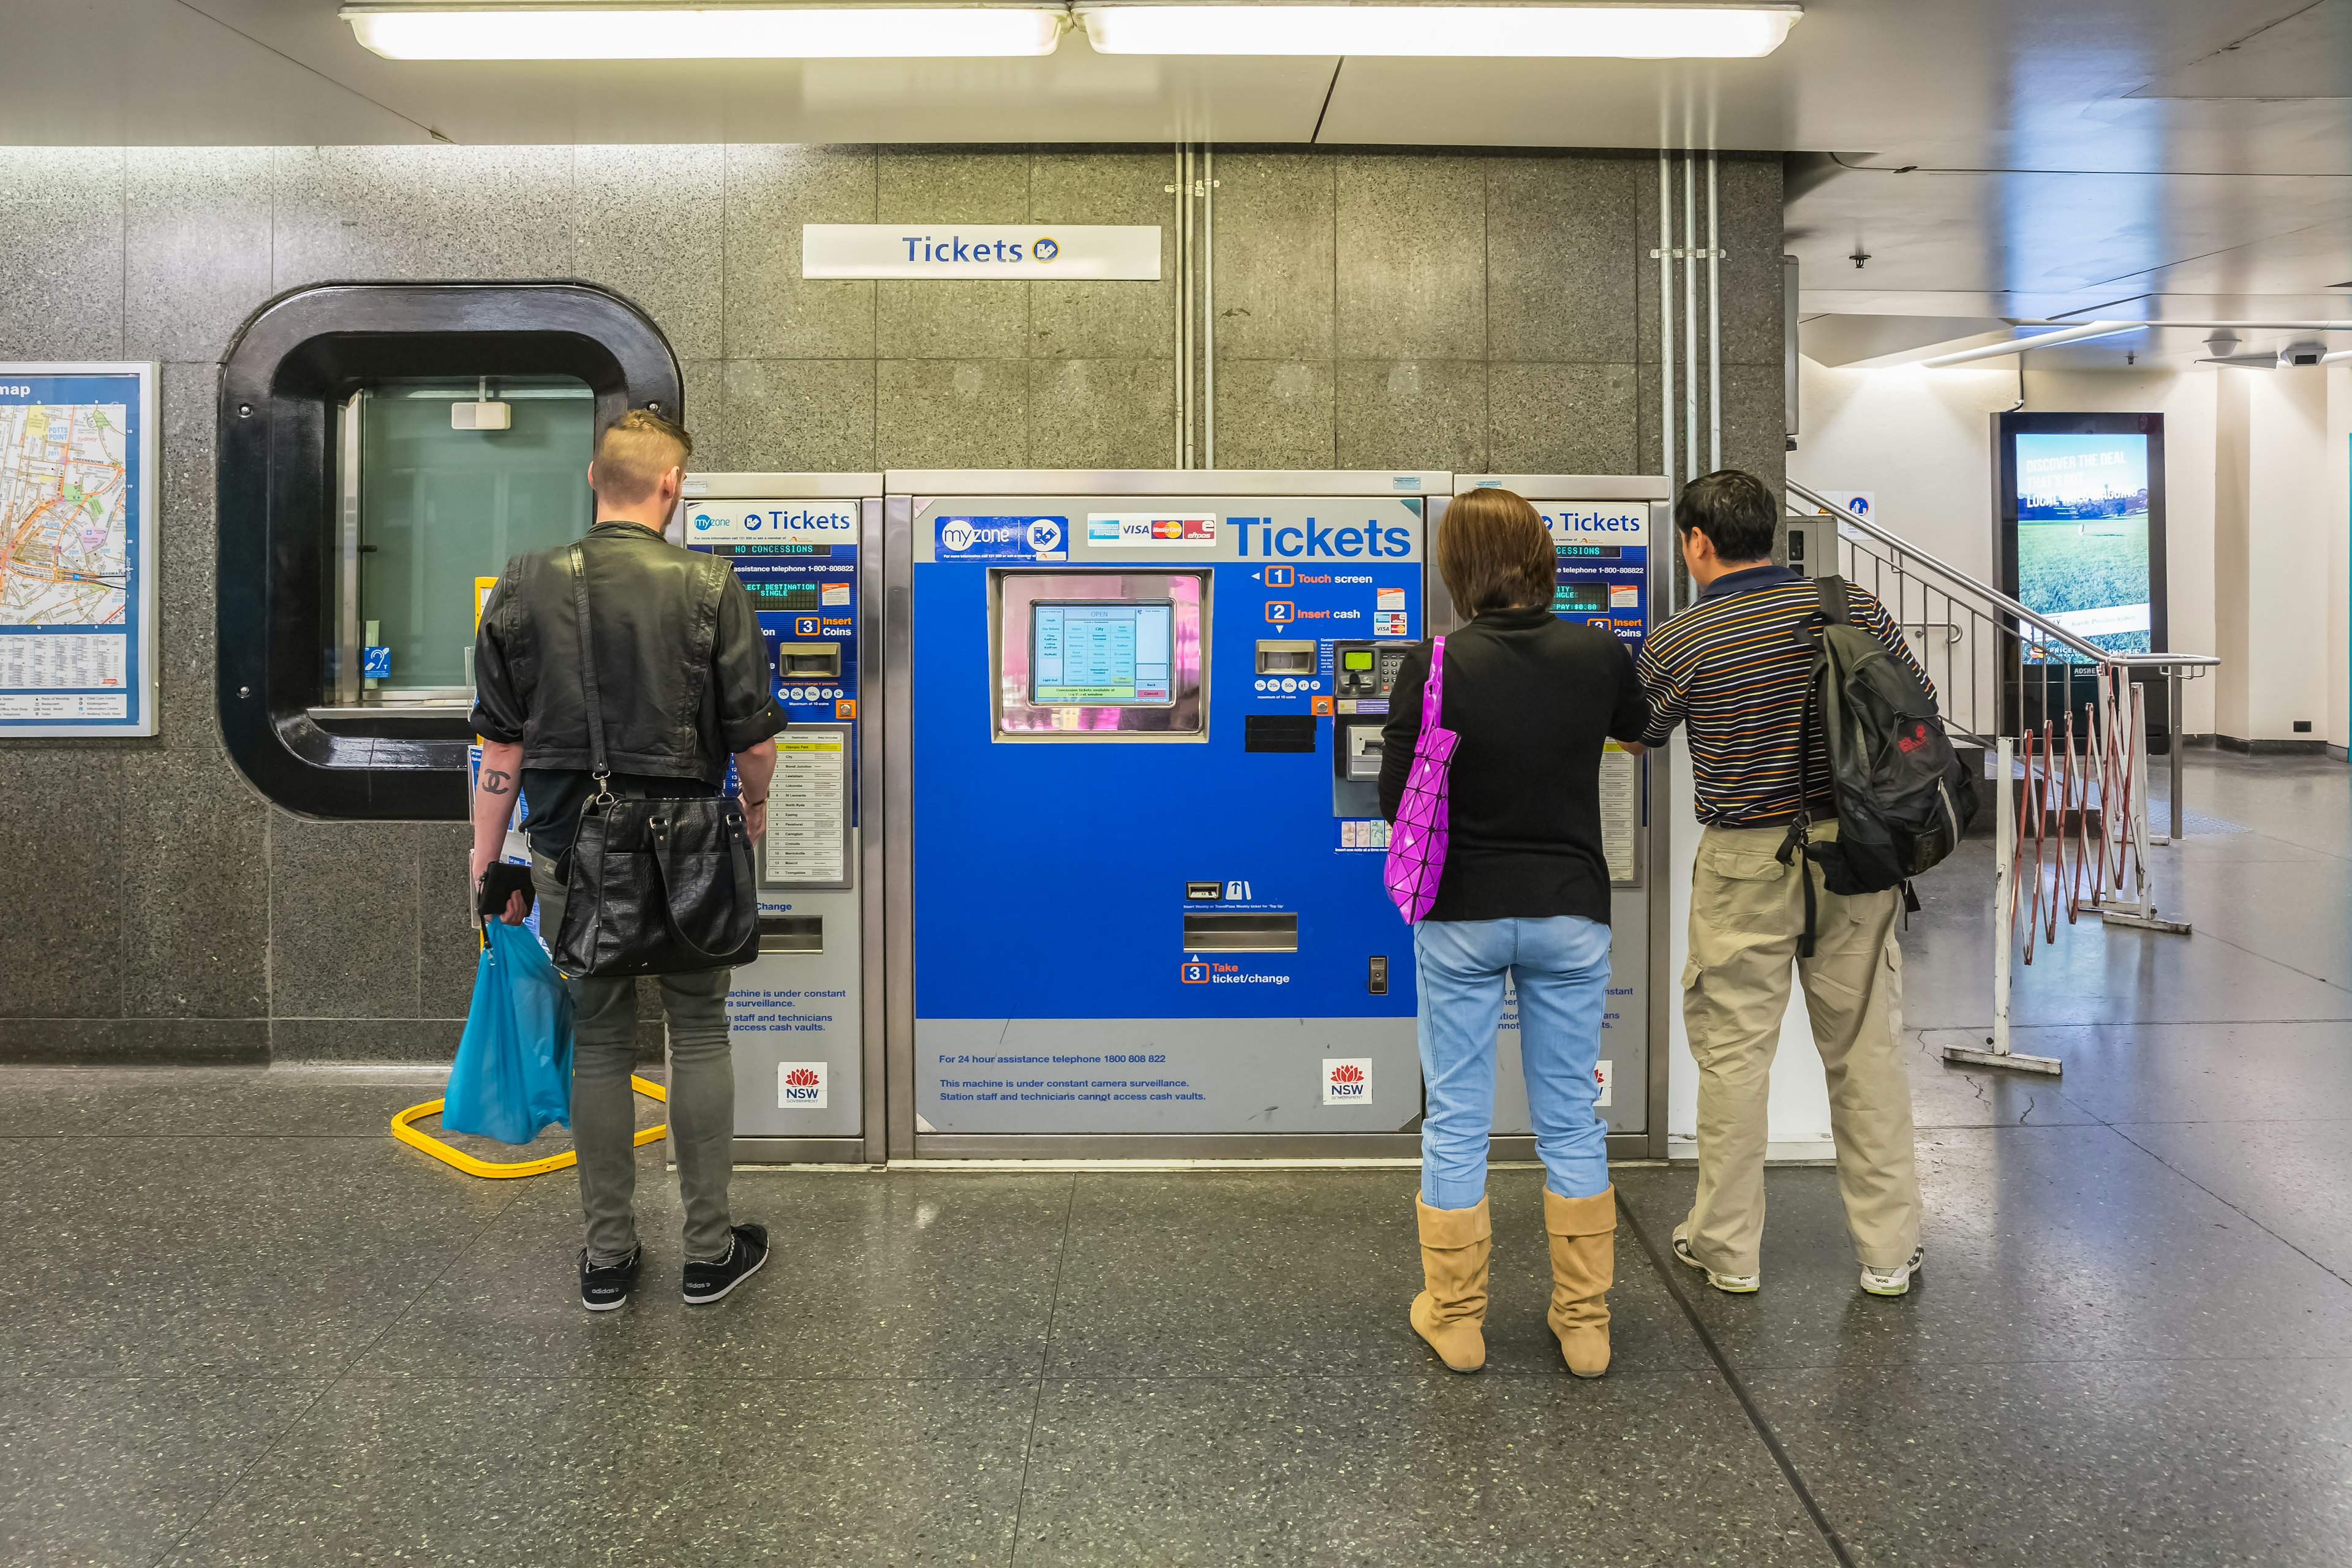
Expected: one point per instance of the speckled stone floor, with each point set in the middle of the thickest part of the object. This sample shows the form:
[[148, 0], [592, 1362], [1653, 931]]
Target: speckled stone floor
[[238, 1324]]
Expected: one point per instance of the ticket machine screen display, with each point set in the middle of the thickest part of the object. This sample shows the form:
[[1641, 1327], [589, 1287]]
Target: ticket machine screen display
[[1101, 653], [1571, 597]]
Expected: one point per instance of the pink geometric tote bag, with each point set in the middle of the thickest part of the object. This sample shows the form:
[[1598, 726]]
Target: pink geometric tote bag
[[1417, 840]]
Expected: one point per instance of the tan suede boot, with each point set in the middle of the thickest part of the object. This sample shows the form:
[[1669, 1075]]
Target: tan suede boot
[[1451, 1313], [1583, 1265]]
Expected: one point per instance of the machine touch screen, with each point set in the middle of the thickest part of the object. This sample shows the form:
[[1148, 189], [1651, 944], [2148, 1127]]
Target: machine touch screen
[[1101, 653]]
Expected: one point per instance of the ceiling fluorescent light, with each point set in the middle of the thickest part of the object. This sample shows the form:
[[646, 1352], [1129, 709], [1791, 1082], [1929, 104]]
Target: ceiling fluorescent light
[[1620, 32], [664, 33]]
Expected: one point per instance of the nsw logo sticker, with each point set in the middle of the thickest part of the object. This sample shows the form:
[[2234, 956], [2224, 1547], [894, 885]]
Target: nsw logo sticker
[[800, 1086], [1346, 1080]]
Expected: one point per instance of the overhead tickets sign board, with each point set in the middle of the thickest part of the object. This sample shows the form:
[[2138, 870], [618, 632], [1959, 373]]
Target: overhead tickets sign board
[[1086, 251]]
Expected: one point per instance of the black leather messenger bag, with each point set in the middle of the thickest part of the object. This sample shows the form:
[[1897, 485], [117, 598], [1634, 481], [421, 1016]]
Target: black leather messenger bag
[[656, 886]]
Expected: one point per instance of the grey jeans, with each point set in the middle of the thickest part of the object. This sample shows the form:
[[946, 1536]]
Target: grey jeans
[[603, 1107]]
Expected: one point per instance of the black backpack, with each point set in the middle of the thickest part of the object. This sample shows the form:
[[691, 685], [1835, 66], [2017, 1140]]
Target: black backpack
[[1904, 798]]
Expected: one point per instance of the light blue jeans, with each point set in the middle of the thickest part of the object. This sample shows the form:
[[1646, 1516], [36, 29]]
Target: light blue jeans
[[1560, 968]]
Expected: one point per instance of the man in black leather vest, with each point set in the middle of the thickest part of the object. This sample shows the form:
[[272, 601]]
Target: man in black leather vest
[[685, 685]]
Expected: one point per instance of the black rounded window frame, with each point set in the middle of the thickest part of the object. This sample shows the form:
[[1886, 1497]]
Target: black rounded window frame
[[294, 362]]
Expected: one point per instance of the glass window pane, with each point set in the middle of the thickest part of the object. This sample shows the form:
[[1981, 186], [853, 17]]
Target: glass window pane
[[440, 507]]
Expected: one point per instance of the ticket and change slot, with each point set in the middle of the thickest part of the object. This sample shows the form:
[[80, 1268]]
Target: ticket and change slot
[[791, 933], [1208, 932]]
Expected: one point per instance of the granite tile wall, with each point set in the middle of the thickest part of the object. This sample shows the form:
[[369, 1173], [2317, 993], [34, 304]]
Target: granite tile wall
[[1457, 309]]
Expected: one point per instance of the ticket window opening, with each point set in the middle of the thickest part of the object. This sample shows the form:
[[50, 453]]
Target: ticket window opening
[[1276, 657], [797, 663], [1359, 751]]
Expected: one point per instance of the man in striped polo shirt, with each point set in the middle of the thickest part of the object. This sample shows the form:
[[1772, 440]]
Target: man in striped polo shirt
[[1733, 669]]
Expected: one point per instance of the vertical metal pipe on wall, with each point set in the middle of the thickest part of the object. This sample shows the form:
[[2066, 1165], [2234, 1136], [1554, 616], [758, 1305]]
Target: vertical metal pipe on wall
[[1714, 329], [1690, 312], [1183, 188], [1208, 307], [1667, 340]]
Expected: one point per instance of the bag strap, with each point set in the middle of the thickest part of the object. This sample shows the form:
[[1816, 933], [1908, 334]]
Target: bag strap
[[1832, 599], [1432, 690], [1797, 848], [602, 768], [669, 900]]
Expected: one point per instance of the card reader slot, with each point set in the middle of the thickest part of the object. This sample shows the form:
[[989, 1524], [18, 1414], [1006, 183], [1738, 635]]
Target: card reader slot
[[791, 933], [1240, 933]]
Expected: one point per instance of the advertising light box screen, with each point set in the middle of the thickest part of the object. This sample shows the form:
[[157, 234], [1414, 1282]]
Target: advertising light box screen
[[2084, 536], [1101, 653]]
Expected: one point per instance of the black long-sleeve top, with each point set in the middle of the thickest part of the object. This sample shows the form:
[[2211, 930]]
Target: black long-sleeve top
[[1532, 698]]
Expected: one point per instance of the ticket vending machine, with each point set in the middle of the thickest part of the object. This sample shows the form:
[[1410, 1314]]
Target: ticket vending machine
[[1611, 536], [1134, 842], [806, 1015]]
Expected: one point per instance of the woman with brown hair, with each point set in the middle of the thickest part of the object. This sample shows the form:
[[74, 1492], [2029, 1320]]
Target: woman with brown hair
[[1524, 897]]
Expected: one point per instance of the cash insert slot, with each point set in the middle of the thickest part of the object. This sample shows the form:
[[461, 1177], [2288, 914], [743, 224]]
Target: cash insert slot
[[1285, 656], [1240, 933]]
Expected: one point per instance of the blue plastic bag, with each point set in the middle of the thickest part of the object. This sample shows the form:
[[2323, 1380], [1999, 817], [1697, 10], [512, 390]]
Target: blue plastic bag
[[513, 1072]]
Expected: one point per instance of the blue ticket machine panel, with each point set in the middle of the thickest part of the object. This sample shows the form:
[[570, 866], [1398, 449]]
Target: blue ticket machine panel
[[804, 546], [1141, 766], [1605, 533]]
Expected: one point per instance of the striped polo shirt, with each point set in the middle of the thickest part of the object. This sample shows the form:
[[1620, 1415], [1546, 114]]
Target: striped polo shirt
[[1733, 669]]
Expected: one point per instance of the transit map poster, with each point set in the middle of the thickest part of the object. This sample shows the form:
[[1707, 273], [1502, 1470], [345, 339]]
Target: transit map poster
[[2085, 512], [76, 549]]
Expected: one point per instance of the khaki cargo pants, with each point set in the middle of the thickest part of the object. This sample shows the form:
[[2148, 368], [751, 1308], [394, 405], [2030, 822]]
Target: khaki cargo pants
[[1746, 913]]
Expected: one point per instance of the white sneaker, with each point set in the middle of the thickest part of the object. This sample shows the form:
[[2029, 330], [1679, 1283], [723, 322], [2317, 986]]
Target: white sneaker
[[1730, 1284], [1895, 1281]]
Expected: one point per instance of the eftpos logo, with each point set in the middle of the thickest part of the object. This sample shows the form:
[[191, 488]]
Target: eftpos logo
[[799, 1086], [1346, 1080]]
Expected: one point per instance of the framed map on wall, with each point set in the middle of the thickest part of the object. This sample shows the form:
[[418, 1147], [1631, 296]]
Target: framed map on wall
[[78, 481]]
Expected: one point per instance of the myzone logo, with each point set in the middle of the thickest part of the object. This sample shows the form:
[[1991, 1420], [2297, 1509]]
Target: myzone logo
[[955, 533]]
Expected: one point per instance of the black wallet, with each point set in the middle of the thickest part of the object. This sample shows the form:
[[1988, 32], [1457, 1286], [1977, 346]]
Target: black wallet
[[500, 879]]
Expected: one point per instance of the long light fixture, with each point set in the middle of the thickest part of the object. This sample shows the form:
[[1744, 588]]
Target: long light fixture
[[526, 32], [1534, 31]]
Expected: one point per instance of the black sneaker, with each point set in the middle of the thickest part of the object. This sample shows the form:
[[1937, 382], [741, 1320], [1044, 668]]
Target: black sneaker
[[747, 1250], [606, 1286]]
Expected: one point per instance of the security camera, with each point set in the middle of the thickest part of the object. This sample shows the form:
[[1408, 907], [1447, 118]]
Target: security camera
[[2301, 353]]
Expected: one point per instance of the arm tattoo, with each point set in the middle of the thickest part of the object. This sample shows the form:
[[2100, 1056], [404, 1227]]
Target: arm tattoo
[[495, 782]]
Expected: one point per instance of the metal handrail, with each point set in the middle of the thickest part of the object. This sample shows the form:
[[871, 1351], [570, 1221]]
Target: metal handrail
[[2051, 631], [2002, 616]]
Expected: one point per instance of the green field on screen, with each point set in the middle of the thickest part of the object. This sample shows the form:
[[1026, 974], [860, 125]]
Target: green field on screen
[[2086, 564]]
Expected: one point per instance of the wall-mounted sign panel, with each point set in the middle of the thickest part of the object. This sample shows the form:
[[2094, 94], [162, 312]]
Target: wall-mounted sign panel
[[1089, 251], [78, 477]]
